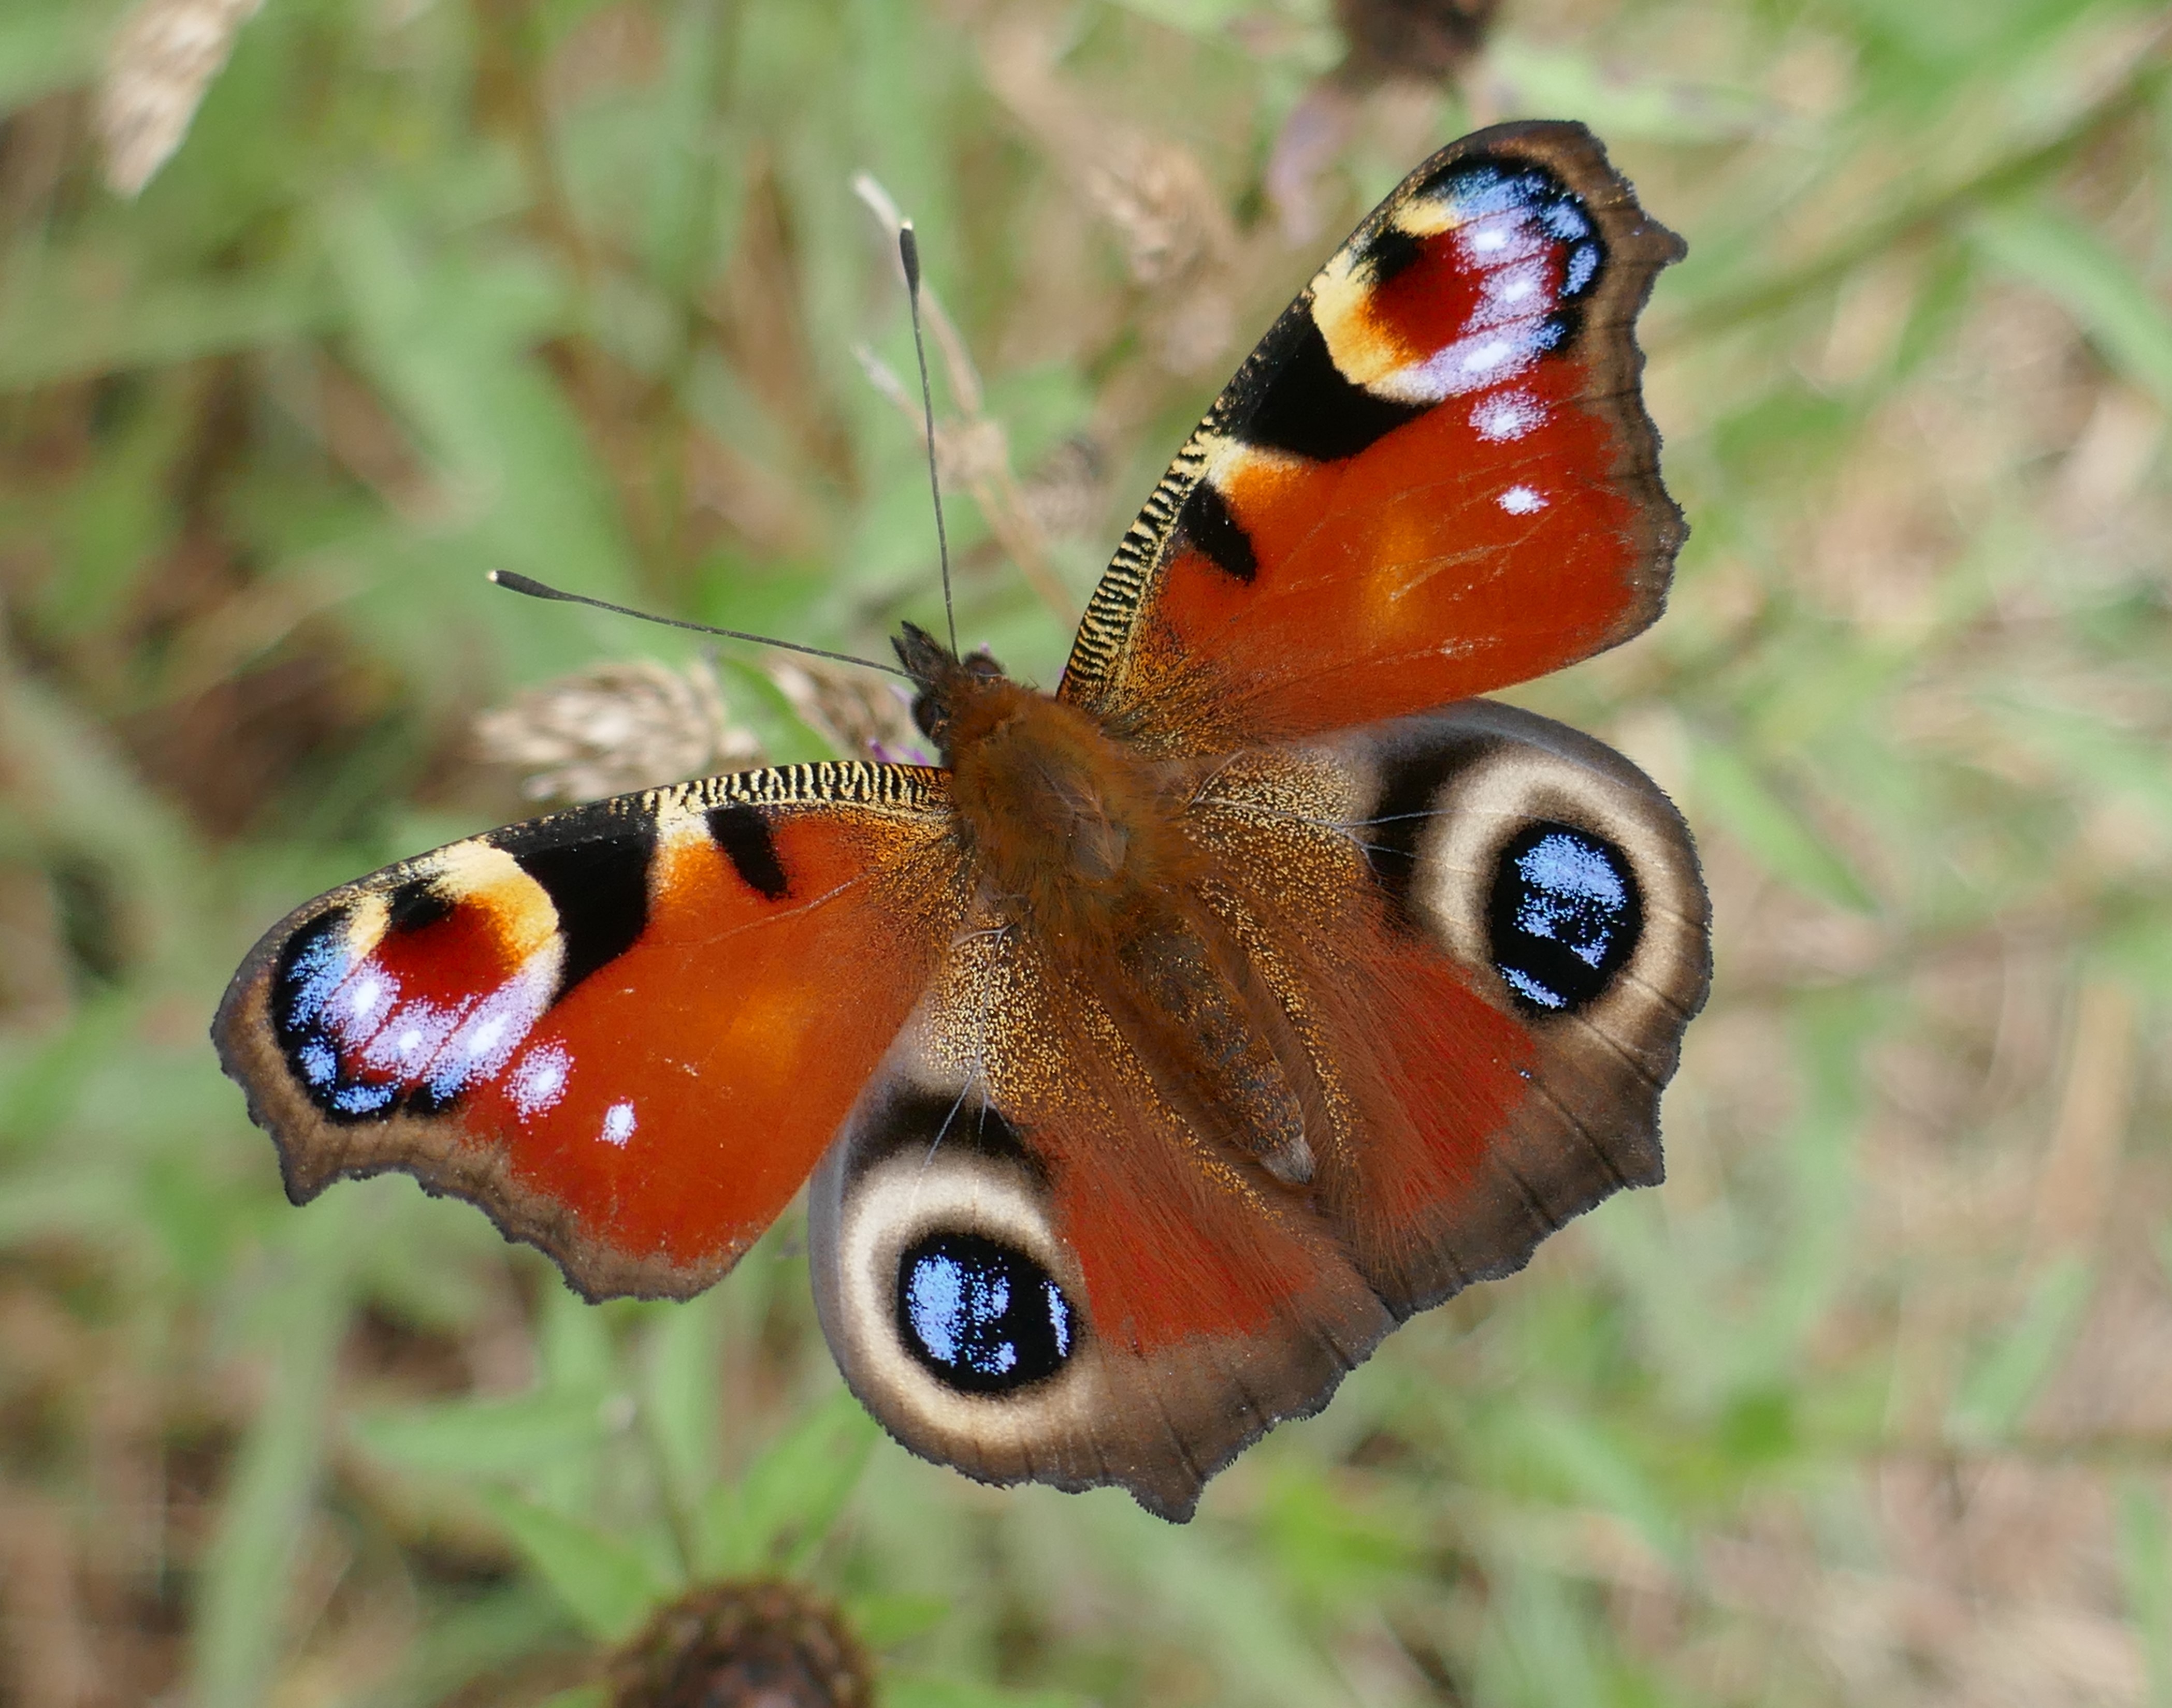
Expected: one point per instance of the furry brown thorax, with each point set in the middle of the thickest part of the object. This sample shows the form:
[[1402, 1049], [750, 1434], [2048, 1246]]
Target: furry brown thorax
[[1080, 839], [1050, 803]]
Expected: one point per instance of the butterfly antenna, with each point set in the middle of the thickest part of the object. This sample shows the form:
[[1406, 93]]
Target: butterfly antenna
[[537, 590], [908, 251]]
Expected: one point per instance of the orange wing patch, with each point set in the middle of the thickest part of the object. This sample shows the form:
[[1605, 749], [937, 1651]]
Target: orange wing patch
[[616, 1030]]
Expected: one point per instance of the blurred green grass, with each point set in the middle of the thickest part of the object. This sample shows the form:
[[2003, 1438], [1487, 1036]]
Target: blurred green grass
[[1873, 1402]]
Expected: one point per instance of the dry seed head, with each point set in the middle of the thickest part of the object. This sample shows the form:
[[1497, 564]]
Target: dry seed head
[[614, 728], [161, 60], [743, 1645], [1422, 39], [1179, 242], [969, 448], [1067, 491], [972, 450], [1158, 197], [862, 715]]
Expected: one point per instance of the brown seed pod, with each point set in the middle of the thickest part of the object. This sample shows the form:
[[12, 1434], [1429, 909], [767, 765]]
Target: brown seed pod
[[1387, 42], [1425, 39], [744, 1644]]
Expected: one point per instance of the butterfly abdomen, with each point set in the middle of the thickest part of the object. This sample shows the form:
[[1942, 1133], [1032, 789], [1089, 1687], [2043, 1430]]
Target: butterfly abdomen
[[1206, 1037]]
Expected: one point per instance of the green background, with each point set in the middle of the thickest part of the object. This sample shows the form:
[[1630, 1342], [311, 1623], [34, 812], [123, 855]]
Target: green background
[[1871, 1402]]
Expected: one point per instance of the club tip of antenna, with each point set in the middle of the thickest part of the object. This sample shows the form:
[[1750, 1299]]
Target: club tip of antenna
[[908, 251], [514, 581]]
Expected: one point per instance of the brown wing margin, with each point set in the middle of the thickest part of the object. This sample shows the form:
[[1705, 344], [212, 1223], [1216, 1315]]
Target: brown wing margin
[[1420, 486], [625, 1032]]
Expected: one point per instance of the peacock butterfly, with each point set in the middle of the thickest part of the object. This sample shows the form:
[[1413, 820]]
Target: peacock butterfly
[[1186, 1029]]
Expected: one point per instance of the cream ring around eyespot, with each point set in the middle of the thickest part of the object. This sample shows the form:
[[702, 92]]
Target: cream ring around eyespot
[[863, 1226], [1517, 783]]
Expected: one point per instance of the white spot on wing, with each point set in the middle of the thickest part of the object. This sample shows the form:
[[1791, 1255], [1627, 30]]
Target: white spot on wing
[[1521, 500], [539, 1079], [618, 1125], [1497, 240], [1485, 357], [1507, 415], [413, 1032], [1467, 365], [1513, 292], [494, 1028]]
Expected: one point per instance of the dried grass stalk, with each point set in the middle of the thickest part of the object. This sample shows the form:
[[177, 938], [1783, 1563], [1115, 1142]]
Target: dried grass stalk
[[1180, 244], [161, 60], [972, 448]]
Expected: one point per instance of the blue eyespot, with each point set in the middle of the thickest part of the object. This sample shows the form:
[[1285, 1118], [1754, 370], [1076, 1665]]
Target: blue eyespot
[[1564, 219], [1565, 917], [310, 969], [318, 1020], [983, 1317], [361, 1099], [1487, 190]]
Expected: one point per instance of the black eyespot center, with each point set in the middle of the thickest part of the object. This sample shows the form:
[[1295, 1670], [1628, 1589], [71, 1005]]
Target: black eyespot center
[[980, 1316], [1565, 916]]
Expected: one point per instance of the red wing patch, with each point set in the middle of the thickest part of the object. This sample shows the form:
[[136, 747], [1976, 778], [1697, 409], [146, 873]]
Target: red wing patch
[[1434, 476], [617, 1030]]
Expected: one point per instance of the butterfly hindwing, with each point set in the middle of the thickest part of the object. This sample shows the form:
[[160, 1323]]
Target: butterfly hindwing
[[1433, 478], [1520, 938], [617, 1030], [1028, 1266], [1486, 932]]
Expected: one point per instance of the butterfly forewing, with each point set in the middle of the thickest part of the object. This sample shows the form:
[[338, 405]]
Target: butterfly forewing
[[617, 1030], [1434, 477]]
